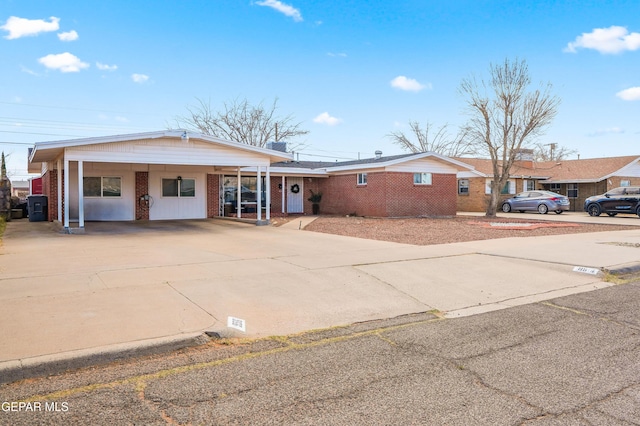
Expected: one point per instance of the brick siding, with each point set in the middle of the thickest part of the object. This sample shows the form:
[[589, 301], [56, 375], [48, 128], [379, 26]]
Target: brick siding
[[213, 195], [142, 188]]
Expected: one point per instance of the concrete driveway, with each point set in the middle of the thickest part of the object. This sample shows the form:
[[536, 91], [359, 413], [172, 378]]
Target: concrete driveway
[[132, 285]]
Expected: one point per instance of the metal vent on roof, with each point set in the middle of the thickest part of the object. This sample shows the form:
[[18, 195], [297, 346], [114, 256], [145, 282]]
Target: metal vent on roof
[[378, 154], [277, 146]]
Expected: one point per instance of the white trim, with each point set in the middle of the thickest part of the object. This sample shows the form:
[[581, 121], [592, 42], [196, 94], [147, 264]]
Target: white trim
[[620, 172], [81, 194], [258, 195], [267, 182], [66, 193]]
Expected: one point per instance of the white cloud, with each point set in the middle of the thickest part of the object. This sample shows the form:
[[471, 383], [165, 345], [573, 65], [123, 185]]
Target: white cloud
[[286, 9], [64, 62], [105, 67], [630, 94], [21, 27], [68, 36], [611, 130], [337, 55], [409, 84], [121, 119], [139, 78], [325, 118], [29, 71], [614, 39]]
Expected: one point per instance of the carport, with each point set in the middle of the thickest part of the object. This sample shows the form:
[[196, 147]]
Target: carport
[[173, 174]]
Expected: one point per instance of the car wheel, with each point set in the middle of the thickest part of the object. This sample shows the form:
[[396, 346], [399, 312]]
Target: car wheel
[[638, 211], [506, 207], [612, 214], [558, 211], [594, 210], [543, 209]]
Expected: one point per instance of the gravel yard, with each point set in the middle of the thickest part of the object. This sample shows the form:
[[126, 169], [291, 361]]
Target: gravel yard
[[428, 231]]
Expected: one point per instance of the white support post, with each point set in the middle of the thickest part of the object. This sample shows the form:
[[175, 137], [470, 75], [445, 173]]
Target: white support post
[[66, 193], [267, 182], [81, 194], [284, 192], [59, 188], [259, 194], [239, 200]]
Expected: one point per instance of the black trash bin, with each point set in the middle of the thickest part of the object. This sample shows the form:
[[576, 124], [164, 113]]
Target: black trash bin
[[37, 206]]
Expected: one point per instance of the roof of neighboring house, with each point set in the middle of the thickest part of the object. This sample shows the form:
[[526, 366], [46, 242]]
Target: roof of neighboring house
[[564, 171]]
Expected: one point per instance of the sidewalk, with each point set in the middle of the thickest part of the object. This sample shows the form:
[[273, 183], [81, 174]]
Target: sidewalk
[[128, 289]]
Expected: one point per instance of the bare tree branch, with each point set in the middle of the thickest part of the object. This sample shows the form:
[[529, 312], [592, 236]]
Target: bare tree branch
[[552, 152], [424, 140], [240, 121], [505, 116]]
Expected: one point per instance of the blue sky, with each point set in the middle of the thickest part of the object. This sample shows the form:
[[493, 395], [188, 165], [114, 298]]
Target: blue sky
[[351, 72]]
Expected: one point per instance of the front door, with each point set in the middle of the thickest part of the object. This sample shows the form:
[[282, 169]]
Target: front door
[[295, 195]]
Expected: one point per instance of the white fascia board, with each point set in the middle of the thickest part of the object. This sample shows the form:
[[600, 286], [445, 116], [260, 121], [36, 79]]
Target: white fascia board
[[297, 171], [595, 180], [468, 174]]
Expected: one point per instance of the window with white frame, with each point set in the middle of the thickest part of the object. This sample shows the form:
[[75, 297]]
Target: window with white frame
[[362, 178], [572, 190], [529, 185], [102, 186], [178, 187], [625, 182], [509, 187], [463, 186], [422, 178]]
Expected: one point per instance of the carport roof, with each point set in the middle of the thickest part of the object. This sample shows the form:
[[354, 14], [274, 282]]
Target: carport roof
[[50, 150]]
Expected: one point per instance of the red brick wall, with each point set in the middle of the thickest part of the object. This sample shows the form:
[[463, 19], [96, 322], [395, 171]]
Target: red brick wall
[[49, 188], [389, 194], [404, 198], [213, 195], [142, 188]]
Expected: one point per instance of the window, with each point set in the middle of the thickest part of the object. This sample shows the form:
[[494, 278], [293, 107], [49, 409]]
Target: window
[[422, 178], [463, 186], [555, 187], [249, 189], [625, 182], [529, 185], [96, 186], [572, 190], [178, 187], [362, 178], [509, 187]]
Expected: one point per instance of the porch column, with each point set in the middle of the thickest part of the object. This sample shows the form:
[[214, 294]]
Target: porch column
[[80, 194], [259, 194], [284, 192], [267, 182], [66, 193], [59, 188], [239, 197]]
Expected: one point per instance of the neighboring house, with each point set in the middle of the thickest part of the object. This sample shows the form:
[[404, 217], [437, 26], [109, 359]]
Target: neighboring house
[[180, 175], [20, 189], [577, 179]]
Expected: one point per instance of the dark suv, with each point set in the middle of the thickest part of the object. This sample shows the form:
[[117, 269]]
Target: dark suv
[[625, 199]]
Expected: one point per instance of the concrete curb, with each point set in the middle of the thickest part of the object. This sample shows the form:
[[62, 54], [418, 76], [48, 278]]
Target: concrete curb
[[14, 370], [625, 269]]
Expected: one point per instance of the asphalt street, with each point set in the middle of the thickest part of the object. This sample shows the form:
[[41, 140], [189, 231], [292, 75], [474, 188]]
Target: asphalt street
[[572, 360]]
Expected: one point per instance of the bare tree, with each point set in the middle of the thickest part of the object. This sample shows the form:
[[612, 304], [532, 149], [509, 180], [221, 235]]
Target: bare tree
[[552, 152], [242, 122], [423, 139], [504, 116]]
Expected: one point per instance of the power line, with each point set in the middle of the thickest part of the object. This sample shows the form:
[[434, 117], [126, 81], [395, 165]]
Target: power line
[[74, 108]]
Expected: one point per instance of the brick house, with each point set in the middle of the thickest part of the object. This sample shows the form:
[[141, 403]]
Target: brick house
[[577, 179], [407, 185], [178, 175]]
